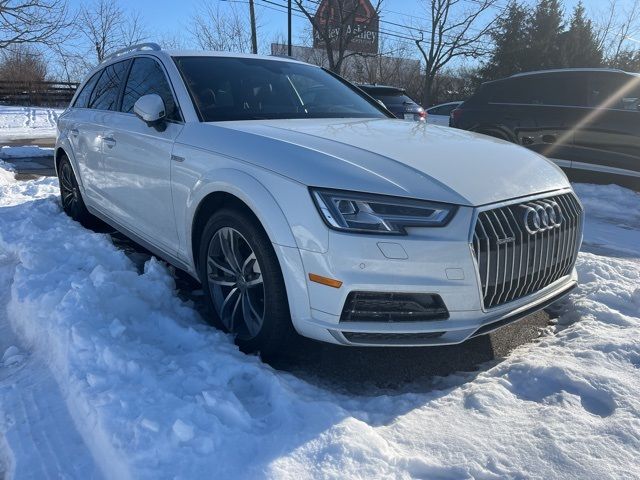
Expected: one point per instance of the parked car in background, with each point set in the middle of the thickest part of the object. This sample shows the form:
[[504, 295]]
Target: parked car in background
[[585, 120], [396, 101], [439, 114], [301, 205]]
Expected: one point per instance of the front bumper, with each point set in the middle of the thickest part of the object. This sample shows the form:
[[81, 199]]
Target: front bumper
[[432, 261]]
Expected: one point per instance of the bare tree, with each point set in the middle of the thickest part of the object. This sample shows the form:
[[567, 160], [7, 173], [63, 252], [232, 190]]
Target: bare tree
[[619, 25], [68, 62], [332, 22], [221, 28], [454, 29], [172, 40], [24, 22], [107, 27], [22, 64]]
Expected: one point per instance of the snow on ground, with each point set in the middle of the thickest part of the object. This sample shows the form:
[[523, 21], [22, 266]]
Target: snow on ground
[[140, 387], [28, 122]]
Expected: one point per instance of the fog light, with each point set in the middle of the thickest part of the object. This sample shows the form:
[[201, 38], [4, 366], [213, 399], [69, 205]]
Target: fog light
[[393, 307]]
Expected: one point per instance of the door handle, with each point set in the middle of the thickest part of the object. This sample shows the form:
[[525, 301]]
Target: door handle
[[74, 132], [109, 142]]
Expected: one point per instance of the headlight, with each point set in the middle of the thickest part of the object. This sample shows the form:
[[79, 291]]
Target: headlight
[[370, 213]]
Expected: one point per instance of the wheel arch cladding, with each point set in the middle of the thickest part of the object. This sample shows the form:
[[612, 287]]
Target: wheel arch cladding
[[60, 151], [229, 191], [208, 206]]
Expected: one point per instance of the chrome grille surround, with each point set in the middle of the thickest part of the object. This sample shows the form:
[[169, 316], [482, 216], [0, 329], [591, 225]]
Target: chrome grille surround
[[516, 254]]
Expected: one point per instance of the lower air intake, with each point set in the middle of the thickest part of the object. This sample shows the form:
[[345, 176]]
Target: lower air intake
[[393, 307], [391, 338]]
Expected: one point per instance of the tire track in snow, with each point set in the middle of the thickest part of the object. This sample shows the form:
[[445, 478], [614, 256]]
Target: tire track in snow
[[37, 434], [27, 120], [53, 117]]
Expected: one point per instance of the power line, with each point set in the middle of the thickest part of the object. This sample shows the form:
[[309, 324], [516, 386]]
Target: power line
[[278, 7], [387, 32]]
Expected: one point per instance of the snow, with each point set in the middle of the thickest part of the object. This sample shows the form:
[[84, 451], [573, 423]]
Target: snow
[[121, 378], [27, 122]]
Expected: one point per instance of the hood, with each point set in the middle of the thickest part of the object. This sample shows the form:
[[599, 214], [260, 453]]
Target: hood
[[395, 157]]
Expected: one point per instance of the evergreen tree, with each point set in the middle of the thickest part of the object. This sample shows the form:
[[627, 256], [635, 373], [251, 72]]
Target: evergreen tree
[[579, 43], [627, 60], [511, 39], [545, 32]]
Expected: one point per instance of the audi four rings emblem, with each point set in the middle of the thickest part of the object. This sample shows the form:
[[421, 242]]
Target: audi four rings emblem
[[539, 217]]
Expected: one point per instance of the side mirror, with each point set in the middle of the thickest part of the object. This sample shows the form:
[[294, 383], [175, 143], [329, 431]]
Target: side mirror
[[150, 108]]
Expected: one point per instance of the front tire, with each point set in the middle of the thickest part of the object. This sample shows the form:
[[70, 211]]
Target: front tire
[[70, 196], [243, 283]]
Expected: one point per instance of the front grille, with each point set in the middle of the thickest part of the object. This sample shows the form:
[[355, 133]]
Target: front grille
[[517, 256]]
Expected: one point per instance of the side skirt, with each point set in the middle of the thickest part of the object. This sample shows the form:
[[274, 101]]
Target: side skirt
[[172, 259]]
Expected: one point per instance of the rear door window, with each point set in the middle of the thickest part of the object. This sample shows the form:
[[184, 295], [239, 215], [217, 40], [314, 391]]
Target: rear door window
[[106, 93], [614, 91], [553, 90], [82, 100], [147, 77]]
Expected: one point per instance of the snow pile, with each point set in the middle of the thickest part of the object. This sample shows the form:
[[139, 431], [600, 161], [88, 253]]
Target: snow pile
[[11, 356], [156, 393], [28, 122], [12, 192]]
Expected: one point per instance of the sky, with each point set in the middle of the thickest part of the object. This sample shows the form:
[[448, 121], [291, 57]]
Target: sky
[[173, 16], [170, 18]]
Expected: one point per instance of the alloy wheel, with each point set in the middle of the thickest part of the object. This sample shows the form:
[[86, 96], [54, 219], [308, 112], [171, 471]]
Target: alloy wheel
[[68, 188], [236, 283]]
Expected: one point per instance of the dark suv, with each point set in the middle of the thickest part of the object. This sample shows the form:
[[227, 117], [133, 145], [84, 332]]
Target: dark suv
[[397, 101], [585, 120]]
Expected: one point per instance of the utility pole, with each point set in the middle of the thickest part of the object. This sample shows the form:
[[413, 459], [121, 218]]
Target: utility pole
[[289, 29], [254, 40]]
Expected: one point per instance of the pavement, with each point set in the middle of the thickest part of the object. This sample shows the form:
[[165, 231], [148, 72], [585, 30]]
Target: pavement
[[26, 167], [40, 142]]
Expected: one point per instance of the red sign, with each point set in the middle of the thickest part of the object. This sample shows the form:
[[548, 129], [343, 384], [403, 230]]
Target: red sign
[[356, 20]]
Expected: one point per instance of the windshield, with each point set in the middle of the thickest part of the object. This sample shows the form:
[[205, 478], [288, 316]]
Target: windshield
[[228, 88]]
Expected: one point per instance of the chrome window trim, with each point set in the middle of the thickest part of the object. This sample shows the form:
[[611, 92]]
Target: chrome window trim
[[582, 107]]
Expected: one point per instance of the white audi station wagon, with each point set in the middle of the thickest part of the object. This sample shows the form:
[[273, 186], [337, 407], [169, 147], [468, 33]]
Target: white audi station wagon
[[302, 205]]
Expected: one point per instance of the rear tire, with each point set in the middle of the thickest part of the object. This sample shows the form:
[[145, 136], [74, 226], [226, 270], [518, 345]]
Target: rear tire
[[70, 196], [243, 283]]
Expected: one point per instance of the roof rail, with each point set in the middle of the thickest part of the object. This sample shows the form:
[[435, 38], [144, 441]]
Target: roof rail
[[560, 70], [133, 48]]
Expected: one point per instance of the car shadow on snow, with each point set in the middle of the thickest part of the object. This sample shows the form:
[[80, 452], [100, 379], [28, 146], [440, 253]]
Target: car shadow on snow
[[370, 371]]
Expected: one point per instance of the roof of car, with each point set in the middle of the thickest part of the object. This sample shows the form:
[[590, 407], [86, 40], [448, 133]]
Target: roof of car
[[372, 86], [211, 53], [155, 49], [562, 70], [457, 102]]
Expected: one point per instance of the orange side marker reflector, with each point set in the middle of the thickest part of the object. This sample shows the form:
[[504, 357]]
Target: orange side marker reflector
[[329, 282]]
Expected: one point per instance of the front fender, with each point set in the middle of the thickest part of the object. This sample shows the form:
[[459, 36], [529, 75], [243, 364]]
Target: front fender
[[273, 220], [260, 201]]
